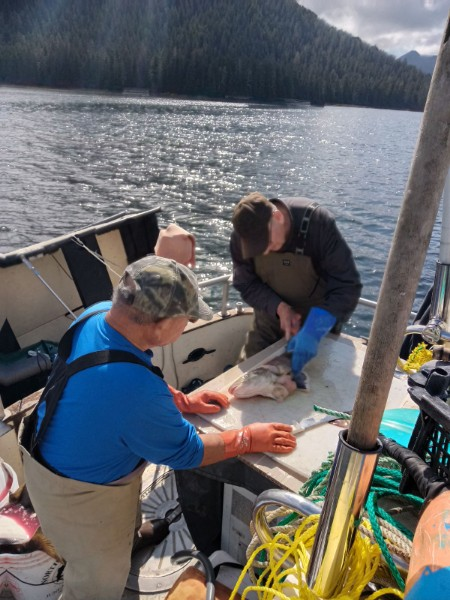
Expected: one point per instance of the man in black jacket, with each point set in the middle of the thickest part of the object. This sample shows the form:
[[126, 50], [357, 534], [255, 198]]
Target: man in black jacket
[[292, 265]]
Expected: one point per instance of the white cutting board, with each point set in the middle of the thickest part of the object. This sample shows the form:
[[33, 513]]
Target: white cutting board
[[334, 376]]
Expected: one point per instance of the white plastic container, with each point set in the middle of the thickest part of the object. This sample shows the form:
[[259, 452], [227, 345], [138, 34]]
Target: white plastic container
[[8, 482], [32, 576]]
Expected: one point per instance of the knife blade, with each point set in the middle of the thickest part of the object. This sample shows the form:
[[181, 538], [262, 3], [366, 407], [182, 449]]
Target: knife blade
[[312, 421]]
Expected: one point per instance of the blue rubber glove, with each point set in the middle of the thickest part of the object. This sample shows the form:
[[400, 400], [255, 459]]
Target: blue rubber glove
[[305, 343]]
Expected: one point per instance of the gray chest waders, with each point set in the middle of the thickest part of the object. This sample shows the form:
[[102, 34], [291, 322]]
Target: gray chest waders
[[293, 277], [92, 526]]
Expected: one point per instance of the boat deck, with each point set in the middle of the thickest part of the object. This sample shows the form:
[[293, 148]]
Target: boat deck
[[153, 572], [334, 376]]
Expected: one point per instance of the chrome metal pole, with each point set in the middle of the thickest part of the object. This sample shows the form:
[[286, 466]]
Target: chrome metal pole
[[350, 480], [438, 326]]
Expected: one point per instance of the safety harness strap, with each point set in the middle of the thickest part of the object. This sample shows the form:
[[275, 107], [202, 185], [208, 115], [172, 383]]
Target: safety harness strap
[[60, 374], [304, 227]]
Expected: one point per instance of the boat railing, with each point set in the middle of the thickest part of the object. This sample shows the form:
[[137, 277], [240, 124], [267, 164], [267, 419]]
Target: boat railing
[[226, 281], [369, 303]]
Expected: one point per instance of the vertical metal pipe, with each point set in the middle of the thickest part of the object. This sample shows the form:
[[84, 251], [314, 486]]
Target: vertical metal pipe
[[225, 293], [440, 305], [439, 321], [444, 249], [347, 491], [349, 483]]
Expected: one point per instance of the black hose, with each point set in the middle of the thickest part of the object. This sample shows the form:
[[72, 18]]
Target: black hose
[[428, 482], [209, 570]]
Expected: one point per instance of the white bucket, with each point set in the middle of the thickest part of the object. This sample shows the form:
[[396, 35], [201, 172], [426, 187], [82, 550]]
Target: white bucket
[[8, 482], [32, 576], [28, 576], [17, 525]]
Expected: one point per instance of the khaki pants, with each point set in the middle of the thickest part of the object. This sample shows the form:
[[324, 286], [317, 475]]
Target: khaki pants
[[91, 526]]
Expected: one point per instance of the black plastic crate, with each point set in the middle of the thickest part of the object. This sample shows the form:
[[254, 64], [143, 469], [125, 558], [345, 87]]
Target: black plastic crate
[[430, 440]]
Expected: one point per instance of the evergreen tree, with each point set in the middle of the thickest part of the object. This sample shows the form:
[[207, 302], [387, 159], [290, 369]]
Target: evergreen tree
[[255, 49]]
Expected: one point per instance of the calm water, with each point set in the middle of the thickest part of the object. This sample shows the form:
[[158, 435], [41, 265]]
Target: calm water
[[70, 158]]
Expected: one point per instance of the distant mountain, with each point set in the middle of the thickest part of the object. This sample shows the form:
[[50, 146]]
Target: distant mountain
[[423, 63], [247, 49]]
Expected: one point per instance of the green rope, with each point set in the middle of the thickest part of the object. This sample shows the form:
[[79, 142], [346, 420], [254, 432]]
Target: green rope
[[387, 517], [374, 511], [371, 508], [385, 483], [388, 473], [333, 413], [313, 482]]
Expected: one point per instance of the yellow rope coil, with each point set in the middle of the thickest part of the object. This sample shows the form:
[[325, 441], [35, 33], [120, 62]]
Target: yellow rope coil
[[278, 581], [418, 357]]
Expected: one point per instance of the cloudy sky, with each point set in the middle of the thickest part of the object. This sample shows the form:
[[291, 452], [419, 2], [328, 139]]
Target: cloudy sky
[[395, 26]]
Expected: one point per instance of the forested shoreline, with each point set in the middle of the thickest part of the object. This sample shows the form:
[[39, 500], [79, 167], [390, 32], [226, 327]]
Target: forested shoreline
[[254, 49]]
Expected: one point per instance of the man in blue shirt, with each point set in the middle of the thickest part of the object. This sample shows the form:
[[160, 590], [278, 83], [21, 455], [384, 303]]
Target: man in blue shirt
[[106, 411]]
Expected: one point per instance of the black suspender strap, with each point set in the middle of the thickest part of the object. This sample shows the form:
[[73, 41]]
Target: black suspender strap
[[65, 344], [62, 371], [103, 357], [304, 227], [100, 357]]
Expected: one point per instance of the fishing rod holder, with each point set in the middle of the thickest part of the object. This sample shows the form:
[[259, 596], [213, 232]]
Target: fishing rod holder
[[350, 479], [437, 327]]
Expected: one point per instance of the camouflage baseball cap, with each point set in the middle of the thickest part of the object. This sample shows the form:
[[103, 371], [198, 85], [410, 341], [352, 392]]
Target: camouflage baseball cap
[[162, 288]]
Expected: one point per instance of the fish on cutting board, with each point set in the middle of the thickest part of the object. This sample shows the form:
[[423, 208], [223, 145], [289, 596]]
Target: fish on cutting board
[[271, 380]]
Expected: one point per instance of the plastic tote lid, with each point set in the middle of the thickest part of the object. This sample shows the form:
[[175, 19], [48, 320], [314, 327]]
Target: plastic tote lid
[[398, 424]]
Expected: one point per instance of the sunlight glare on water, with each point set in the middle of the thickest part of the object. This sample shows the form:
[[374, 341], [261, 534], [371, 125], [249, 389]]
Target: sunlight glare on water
[[73, 158]]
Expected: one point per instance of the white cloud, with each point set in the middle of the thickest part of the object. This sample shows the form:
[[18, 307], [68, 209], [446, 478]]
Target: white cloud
[[395, 26]]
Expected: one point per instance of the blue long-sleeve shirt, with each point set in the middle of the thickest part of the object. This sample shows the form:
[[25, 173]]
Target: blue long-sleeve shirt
[[112, 416]]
